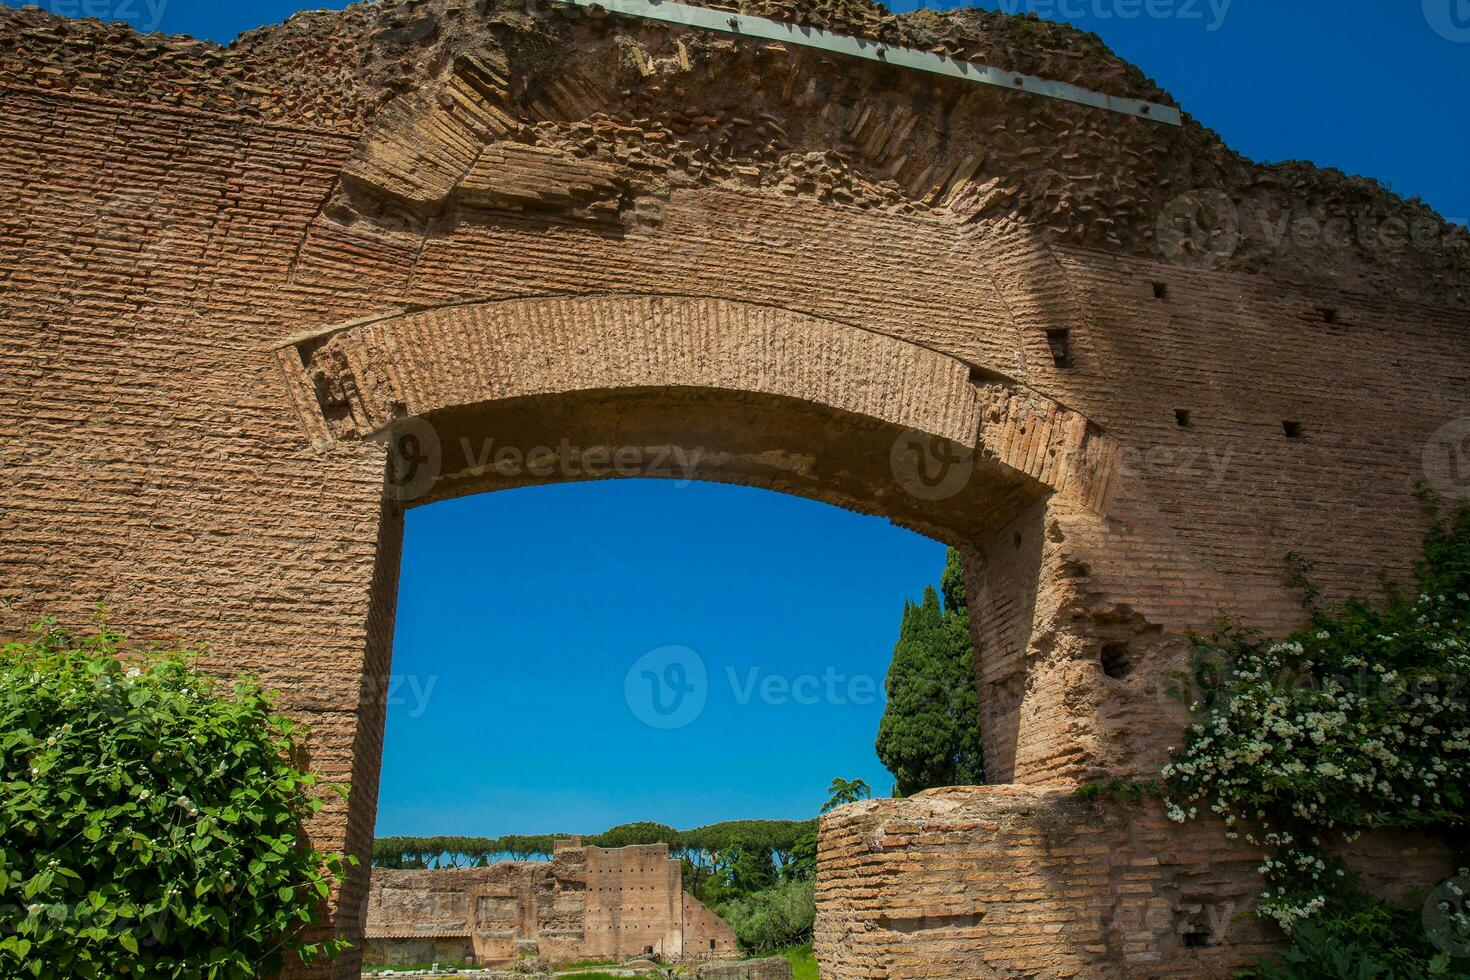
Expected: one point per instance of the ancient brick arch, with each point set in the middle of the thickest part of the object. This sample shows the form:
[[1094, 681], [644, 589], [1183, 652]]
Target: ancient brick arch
[[542, 223], [455, 364], [704, 388]]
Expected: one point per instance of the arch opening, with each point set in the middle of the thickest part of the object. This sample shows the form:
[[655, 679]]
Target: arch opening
[[472, 398], [531, 619]]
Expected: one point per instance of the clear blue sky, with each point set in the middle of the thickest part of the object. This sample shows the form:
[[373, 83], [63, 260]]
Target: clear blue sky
[[523, 616], [522, 613], [1368, 86]]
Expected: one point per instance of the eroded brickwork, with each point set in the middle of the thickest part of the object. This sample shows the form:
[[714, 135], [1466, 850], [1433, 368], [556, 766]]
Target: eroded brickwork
[[585, 904], [230, 278], [998, 881]]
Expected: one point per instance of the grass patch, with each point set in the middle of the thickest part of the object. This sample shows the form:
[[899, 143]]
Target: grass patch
[[586, 965], [803, 962]]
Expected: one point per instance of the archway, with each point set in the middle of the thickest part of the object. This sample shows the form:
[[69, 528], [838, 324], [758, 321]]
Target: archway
[[484, 396]]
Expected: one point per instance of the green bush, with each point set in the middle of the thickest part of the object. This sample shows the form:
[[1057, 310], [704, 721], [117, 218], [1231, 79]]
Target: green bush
[[803, 962], [1359, 721], [150, 818], [1320, 953], [773, 918]]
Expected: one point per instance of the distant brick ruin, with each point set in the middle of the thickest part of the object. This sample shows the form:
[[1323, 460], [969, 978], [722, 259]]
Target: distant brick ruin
[[585, 904], [258, 300]]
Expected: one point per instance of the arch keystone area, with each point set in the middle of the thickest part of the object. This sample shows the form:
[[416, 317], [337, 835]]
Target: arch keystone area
[[352, 382]]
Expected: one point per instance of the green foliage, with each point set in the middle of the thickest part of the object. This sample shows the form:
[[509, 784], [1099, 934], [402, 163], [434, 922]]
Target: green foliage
[[1121, 790], [773, 918], [802, 865], [843, 791], [150, 818], [705, 848], [803, 962], [1356, 722], [930, 732], [1319, 953]]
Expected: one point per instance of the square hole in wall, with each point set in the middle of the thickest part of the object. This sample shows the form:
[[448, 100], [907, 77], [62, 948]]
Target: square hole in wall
[[1329, 315], [1161, 290], [1060, 342], [1182, 416], [1196, 940], [1117, 660], [1293, 430]]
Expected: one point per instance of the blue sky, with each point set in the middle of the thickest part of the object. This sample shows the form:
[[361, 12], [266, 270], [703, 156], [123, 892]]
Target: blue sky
[[522, 615], [1372, 87], [530, 621]]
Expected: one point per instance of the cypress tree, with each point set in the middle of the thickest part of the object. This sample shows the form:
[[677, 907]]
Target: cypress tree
[[930, 732]]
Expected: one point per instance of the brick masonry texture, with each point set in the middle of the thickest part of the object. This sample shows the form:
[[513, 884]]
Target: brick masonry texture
[[585, 904], [764, 968], [245, 290]]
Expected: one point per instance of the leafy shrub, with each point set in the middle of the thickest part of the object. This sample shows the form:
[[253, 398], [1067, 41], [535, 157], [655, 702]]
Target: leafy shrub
[[1319, 953], [773, 918], [803, 962], [1359, 721], [150, 818]]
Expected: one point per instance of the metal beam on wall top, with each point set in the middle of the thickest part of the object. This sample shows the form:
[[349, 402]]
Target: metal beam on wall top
[[745, 25]]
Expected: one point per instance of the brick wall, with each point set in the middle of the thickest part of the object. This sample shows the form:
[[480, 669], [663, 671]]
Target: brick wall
[[1014, 880], [587, 903], [835, 254]]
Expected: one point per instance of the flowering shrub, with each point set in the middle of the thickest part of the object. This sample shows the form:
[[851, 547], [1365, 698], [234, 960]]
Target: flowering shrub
[[1358, 721], [149, 819]]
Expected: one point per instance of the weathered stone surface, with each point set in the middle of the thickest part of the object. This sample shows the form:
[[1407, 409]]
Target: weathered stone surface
[[241, 287], [964, 883], [765, 968], [586, 904]]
